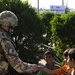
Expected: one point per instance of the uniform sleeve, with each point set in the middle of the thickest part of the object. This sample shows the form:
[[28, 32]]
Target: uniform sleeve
[[13, 58]]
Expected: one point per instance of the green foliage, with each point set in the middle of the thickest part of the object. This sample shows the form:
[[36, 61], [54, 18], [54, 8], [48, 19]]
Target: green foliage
[[46, 18], [68, 30], [63, 30], [55, 25], [29, 33]]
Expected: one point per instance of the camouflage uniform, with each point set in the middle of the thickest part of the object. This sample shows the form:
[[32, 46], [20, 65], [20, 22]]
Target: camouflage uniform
[[7, 47]]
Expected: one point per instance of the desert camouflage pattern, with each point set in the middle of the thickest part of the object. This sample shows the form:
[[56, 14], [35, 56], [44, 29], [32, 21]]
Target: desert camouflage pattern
[[7, 50], [8, 18]]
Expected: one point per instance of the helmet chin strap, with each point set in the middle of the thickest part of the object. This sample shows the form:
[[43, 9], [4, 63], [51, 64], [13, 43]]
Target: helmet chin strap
[[8, 29]]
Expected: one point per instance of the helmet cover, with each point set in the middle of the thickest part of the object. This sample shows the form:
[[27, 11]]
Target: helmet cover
[[8, 18]]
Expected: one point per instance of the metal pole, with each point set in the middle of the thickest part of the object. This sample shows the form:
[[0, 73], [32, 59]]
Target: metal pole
[[38, 6], [62, 2], [67, 3]]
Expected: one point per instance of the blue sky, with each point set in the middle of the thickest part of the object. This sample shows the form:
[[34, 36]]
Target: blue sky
[[47, 3]]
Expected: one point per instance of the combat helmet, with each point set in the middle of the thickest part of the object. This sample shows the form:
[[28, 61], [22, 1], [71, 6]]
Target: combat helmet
[[8, 18]]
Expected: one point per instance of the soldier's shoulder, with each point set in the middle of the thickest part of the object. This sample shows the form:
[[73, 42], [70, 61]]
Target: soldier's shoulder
[[3, 35]]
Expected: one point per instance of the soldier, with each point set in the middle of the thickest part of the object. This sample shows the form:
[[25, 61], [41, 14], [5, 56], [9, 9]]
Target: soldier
[[7, 50]]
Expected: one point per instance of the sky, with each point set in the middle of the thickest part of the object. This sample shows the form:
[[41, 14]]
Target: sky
[[47, 3]]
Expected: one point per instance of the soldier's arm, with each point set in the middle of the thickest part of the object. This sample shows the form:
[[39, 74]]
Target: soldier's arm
[[13, 58]]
